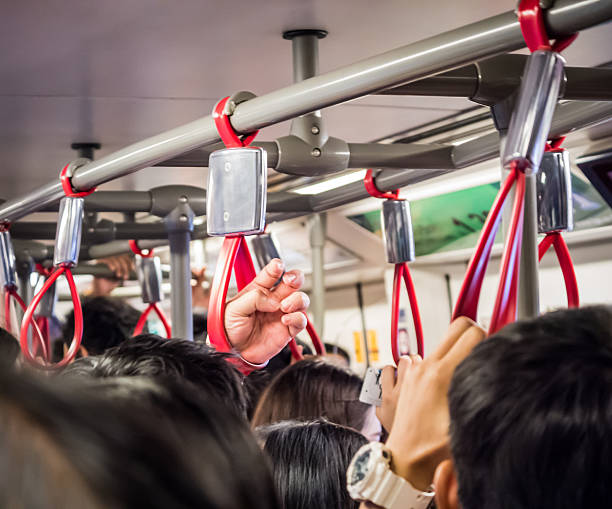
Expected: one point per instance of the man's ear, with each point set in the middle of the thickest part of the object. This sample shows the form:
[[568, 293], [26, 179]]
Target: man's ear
[[82, 350], [445, 483]]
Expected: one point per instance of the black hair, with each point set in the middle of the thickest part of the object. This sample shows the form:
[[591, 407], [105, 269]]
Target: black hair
[[310, 389], [9, 349], [69, 445], [257, 381], [108, 322], [200, 326], [531, 414], [152, 356], [309, 462]]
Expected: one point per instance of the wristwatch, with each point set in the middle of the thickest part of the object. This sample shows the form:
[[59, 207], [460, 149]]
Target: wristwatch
[[369, 479]]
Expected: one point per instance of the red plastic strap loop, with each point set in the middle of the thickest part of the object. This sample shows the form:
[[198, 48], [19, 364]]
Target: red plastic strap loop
[[314, 337], [137, 251], [402, 272], [531, 19], [78, 320], [42, 346], [67, 186], [228, 135], [370, 185], [565, 261], [235, 256], [143, 320], [469, 295], [504, 310]]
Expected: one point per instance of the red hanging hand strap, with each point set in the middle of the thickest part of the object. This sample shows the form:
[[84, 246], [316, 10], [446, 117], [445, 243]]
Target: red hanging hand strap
[[531, 19], [469, 295], [370, 185], [234, 255], [41, 343], [314, 337], [565, 261], [67, 185], [402, 272], [78, 320], [143, 320], [229, 137], [504, 310], [147, 253]]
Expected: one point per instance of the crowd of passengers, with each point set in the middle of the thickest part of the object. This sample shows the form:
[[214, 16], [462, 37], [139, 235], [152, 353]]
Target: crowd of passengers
[[518, 420]]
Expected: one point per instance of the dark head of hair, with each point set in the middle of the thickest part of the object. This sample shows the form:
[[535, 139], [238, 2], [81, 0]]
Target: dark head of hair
[[151, 356], [9, 349], [531, 414], [66, 445], [256, 382], [310, 389], [200, 326], [309, 462], [108, 322]]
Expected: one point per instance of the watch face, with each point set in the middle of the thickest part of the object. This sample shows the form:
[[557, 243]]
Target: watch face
[[360, 467]]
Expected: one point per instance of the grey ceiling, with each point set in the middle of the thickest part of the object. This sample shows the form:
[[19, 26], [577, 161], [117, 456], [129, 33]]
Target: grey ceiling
[[116, 71]]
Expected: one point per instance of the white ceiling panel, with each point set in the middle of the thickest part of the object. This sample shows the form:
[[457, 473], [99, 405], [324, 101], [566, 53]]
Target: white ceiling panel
[[117, 71]]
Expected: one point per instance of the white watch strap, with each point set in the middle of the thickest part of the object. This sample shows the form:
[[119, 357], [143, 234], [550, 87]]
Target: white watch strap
[[394, 492]]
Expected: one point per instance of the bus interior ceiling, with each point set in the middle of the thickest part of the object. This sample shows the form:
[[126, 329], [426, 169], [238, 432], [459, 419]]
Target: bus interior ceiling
[[114, 76]]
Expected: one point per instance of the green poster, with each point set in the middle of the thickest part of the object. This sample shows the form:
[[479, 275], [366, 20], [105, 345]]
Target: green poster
[[453, 221]]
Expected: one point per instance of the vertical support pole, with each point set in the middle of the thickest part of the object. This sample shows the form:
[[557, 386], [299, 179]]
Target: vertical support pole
[[318, 232], [364, 328], [528, 287], [528, 305], [179, 225]]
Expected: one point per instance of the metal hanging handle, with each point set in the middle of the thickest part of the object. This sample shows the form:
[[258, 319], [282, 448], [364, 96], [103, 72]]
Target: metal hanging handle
[[67, 244], [525, 145], [9, 283], [147, 288], [400, 219]]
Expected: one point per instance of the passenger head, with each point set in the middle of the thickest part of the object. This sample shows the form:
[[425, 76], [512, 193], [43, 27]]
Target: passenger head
[[9, 349], [108, 322], [68, 445], [313, 388], [531, 416], [309, 462], [337, 355], [151, 356], [256, 382]]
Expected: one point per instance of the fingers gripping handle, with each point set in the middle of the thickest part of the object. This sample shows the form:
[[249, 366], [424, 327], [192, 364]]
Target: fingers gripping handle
[[234, 255], [402, 272]]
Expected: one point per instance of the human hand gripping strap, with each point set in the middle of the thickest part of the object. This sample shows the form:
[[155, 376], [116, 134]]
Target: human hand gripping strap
[[152, 304], [402, 273], [265, 251], [67, 245], [234, 255]]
